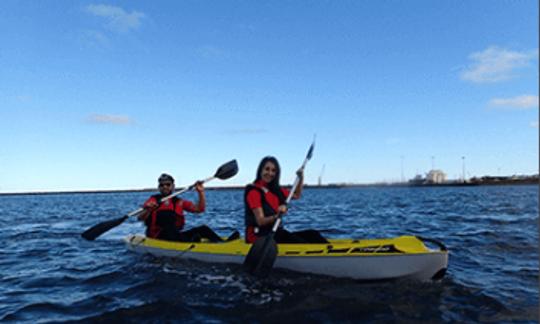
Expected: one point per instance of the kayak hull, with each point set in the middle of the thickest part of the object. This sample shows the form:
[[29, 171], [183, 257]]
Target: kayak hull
[[404, 257]]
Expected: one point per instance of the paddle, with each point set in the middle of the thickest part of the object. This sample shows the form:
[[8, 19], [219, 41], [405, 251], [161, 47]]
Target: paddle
[[262, 254], [225, 171]]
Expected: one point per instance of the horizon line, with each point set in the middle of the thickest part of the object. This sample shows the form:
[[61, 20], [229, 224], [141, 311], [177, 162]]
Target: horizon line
[[236, 187]]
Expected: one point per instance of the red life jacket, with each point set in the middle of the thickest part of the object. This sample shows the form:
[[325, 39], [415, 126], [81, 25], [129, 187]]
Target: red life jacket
[[167, 220], [252, 230]]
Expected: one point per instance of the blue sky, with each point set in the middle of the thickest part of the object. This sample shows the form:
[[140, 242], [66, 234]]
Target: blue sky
[[107, 95]]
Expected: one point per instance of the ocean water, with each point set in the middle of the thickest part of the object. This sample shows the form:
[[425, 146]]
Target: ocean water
[[48, 273]]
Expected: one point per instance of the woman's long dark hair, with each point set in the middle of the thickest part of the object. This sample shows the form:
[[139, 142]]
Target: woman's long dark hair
[[274, 185]]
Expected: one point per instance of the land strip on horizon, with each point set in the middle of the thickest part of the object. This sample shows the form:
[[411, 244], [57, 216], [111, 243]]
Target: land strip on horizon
[[528, 180]]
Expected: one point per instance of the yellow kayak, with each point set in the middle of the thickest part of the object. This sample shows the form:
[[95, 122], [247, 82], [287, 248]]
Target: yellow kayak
[[403, 257]]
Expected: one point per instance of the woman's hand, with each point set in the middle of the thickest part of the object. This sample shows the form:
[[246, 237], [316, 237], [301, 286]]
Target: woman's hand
[[298, 191], [282, 209]]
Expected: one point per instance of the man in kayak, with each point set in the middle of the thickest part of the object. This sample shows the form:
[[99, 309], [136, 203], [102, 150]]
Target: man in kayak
[[165, 220], [264, 199]]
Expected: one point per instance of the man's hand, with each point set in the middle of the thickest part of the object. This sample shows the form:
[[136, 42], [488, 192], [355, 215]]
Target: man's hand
[[151, 205], [199, 186]]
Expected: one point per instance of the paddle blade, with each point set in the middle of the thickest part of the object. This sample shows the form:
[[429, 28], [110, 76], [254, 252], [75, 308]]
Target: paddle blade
[[93, 232], [227, 170], [261, 257], [310, 151]]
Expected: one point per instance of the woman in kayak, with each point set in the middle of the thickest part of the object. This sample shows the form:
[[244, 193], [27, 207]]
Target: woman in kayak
[[165, 220], [264, 199]]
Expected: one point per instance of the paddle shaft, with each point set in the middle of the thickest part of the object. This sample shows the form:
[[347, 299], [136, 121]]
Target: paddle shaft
[[225, 171], [174, 194], [263, 252], [291, 193]]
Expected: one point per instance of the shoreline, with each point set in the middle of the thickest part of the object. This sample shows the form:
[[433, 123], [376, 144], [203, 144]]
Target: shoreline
[[307, 186]]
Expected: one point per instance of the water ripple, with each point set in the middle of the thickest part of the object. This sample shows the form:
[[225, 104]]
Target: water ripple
[[49, 274]]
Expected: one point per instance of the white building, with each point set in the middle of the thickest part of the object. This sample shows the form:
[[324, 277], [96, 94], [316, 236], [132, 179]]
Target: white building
[[436, 176]]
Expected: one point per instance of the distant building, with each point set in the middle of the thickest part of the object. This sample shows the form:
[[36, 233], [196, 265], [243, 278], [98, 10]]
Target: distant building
[[417, 180], [436, 176]]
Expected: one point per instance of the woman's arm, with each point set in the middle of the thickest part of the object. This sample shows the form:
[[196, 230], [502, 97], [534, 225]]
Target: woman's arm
[[261, 220], [298, 192]]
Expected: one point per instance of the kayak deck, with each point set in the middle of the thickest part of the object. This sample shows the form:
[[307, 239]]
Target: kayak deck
[[370, 259]]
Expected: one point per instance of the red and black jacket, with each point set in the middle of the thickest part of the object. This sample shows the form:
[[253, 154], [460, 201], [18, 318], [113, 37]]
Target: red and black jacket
[[166, 220], [252, 229]]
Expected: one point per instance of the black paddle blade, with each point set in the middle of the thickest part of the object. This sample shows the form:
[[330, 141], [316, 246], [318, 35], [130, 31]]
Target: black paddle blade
[[93, 232], [261, 257], [227, 170], [310, 151]]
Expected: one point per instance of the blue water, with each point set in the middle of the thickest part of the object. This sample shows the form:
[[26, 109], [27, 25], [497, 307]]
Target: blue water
[[49, 274]]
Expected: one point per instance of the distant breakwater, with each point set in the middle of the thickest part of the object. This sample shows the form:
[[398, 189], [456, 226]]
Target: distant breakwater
[[528, 181]]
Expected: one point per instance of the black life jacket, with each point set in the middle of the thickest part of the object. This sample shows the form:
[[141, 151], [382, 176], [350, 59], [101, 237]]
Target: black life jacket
[[268, 211]]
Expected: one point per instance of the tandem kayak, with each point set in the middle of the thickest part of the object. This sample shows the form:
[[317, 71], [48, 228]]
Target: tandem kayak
[[403, 257]]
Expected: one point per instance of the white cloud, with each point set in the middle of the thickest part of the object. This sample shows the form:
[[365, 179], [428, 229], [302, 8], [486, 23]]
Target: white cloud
[[212, 52], [118, 19], [534, 124], [519, 102], [496, 64], [23, 98], [245, 131], [109, 119], [393, 141], [94, 37]]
